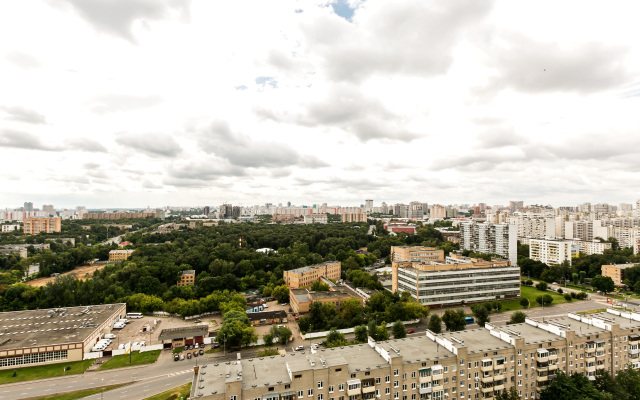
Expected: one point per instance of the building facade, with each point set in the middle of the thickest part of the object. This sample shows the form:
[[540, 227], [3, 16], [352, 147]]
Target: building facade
[[550, 251], [354, 217], [474, 364], [305, 276], [315, 219], [616, 272], [500, 239], [34, 226], [187, 277], [416, 254], [119, 255]]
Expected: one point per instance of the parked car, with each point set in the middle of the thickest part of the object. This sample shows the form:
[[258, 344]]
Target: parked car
[[135, 344], [215, 346], [299, 348], [143, 343], [110, 336], [197, 345], [201, 352], [189, 355], [181, 357], [265, 305], [176, 357], [195, 354], [410, 330]]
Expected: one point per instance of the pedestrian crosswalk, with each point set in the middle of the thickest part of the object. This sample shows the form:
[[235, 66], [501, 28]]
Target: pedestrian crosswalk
[[180, 372]]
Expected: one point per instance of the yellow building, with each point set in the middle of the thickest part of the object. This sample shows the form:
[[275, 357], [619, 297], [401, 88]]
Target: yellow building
[[119, 255], [616, 272], [416, 253], [305, 276], [187, 277], [33, 226], [354, 217]]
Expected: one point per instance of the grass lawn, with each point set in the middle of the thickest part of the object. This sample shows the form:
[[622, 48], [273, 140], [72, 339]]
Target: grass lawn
[[79, 394], [43, 371], [531, 293], [181, 392], [177, 350], [137, 358]]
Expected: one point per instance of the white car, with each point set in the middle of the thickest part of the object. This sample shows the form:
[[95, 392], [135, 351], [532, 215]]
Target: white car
[[121, 347], [265, 306], [143, 343], [110, 336], [299, 348], [135, 344], [196, 346]]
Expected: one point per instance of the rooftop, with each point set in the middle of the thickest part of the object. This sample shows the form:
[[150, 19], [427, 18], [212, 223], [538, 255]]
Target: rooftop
[[189, 272], [580, 328], [476, 340], [530, 333], [30, 328], [254, 316], [183, 331], [625, 323], [312, 267], [621, 266]]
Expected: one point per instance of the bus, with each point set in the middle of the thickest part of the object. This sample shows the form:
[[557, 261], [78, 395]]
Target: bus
[[134, 315], [468, 320]]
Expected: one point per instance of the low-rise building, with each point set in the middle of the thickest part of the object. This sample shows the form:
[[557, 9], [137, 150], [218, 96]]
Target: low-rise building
[[268, 317], [472, 364], [305, 276], [393, 227], [119, 255], [10, 228], [616, 272], [187, 277], [300, 299], [316, 219], [34, 226], [416, 253], [52, 336], [183, 336]]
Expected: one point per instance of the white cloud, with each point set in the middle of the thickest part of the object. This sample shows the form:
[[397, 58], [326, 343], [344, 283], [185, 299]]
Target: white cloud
[[319, 101]]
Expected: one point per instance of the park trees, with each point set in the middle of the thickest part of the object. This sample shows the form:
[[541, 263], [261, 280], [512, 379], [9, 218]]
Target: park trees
[[454, 320], [435, 323], [398, 330]]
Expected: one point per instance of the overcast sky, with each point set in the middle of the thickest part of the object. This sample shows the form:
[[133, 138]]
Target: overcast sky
[[116, 103]]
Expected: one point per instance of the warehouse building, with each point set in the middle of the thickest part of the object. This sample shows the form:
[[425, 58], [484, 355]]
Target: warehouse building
[[37, 337], [474, 364], [183, 336]]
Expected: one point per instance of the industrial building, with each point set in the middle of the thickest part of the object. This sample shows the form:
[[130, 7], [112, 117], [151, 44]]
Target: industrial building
[[49, 336], [474, 364]]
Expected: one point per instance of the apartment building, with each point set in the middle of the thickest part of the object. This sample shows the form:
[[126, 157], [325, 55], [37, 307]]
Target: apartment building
[[500, 239], [589, 247], [437, 211], [473, 364], [120, 215], [461, 282], [315, 219], [305, 276], [354, 217], [534, 227], [187, 277], [616, 272], [34, 226], [416, 253], [584, 230], [550, 251], [626, 237], [119, 255]]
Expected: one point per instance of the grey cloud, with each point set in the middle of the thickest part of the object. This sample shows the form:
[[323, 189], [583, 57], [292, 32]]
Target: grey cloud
[[345, 107], [23, 140], [201, 173], [109, 103], [524, 64], [85, 145], [156, 144], [500, 136], [151, 185], [415, 38], [22, 60], [117, 17], [243, 151], [21, 114]]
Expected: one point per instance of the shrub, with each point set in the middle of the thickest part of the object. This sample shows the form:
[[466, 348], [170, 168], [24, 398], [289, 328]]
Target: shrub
[[581, 296], [529, 282], [573, 295], [542, 286], [524, 302], [560, 290], [567, 297]]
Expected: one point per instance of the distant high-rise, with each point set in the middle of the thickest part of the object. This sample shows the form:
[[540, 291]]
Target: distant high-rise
[[490, 238], [206, 211], [368, 206], [28, 206], [516, 205], [48, 208]]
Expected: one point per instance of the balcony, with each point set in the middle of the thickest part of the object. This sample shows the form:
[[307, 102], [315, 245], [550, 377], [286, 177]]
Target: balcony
[[499, 376], [600, 354], [487, 389], [487, 365], [542, 378], [553, 357], [591, 368], [368, 389], [424, 379], [487, 379], [590, 349], [425, 390], [633, 350], [353, 392], [553, 367], [498, 387], [590, 359], [437, 387]]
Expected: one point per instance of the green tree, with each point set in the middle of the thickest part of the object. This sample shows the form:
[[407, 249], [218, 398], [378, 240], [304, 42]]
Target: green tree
[[372, 329], [398, 330], [575, 278], [583, 275], [361, 333], [382, 332], [435, 323], [281, 293], [454, 320], [511, 394], [524, 302], [282, 334], [544, 300], [319, 286], [335, 338], [603, 283], [518, 317], [481, 313], [567, 297], [629, 380], [542, 286]]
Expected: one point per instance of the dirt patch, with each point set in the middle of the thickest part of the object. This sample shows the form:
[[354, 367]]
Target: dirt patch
[[81, 273]]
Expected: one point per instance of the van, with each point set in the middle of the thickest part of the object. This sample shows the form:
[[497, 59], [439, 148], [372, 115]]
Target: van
[[110, 336]]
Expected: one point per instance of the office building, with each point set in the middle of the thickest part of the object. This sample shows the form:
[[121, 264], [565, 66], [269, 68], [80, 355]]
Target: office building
[[550, 251], [187, 277], [52, 336], [462, 281], [34, 226], [500, 239], [616, 272], [119, 255], [474, 364], [305, 276], [399, 227], [416, 254]]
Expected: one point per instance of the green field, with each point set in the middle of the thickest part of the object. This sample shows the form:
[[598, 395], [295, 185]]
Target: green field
[[181, 392], [79, 394], [43, 371], [531, 293], [137, 358]]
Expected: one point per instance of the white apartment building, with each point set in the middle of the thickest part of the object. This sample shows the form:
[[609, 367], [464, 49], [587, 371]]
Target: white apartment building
[[437, 211], [490, 238], [584, 230], [626, 237], [550, 251], [534, 227], [590, 247]]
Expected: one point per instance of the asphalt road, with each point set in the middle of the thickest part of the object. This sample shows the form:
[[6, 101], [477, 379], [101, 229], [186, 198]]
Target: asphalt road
[[166, 374]]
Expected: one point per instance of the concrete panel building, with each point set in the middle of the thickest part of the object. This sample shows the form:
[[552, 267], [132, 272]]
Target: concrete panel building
[[57, 335], [305, 276], [550, 251], [187, 277], [34, 226], [353, 217], [474, 364], [616, 272], [416, 254], [300, 299], [500, 239]]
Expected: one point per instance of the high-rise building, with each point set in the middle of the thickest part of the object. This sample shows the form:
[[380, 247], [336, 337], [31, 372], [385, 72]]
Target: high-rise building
[[550, 251], [437, 211], [33, 226], [368, 206], [28, 206], [206, 211], [48, 208], [516, 205], [500, 239]]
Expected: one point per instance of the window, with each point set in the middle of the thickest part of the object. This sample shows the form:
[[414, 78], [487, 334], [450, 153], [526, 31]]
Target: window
[[330, 388], [413, 374], [404, 388], [300, 394], [353, 375], [310, 392], [338, 369], [404, 376], [341, 387], [387, 379], [395, 372], [396, 395], [446, 369], [320, 396], [378, 380], [232, 397], [395, 384], [320, 384], [413, 386], [270, 389], [287, 386], [387, 391]]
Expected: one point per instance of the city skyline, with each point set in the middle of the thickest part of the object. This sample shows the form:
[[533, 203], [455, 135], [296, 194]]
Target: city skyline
[[155, 102]]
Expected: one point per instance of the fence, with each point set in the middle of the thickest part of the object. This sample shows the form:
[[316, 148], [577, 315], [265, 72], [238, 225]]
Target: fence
[[92, 356], [315, 335]]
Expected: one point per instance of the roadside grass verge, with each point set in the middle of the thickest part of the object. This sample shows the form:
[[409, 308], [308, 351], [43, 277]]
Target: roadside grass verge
[[80, 393], [173, 394], [43, 371], [137, 358]]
